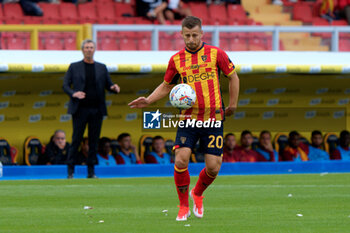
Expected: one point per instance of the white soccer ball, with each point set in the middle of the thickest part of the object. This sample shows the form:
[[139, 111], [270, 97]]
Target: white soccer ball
[[182, 96]]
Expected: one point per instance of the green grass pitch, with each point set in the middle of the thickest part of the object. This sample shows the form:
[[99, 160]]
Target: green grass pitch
[[232, 204]]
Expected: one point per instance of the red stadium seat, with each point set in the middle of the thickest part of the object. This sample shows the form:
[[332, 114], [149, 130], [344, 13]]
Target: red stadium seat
[[218, 13], [344, 45], [106, 13], [50, 41], [125, 20], [68, 13], [1, 15], [69, 40], [140, 20], [87, 13], [236, 12], [200, 10], [128, 35], [32, 20], [144, 44], [257, 44], [165, 44], [318, 21], [238, 44], [124, 9], [107, 43], [16, 40], [51, 13], [127, 44], [302, 12], [225, 44], [339, 22], [13, 13]]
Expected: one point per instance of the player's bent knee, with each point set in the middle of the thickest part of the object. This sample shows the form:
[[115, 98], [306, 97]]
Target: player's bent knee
[[213, 171]]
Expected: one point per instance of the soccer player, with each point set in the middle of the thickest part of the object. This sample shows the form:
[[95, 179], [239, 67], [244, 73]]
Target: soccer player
[[342, 151], [316, 152], [265, 147], [198, 65]]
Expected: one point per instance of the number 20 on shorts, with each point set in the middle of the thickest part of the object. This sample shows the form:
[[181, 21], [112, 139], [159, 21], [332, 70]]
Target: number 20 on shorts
[[217, 140]]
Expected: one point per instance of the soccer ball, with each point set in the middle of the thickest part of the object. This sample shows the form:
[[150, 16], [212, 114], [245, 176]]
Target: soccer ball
[[182, 96]]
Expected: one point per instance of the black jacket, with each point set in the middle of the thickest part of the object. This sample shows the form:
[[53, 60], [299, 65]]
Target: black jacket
[[74, 81]]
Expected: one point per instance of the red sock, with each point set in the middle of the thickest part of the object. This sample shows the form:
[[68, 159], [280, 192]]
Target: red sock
[[203, 182], [182, 182]]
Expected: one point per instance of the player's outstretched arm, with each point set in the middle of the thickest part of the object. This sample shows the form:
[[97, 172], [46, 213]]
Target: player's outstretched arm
[[160, 92], [233, 91]]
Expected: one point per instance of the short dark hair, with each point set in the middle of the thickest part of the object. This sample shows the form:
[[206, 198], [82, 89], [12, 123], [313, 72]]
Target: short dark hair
[[191, 21], [103, 141], [228, 135], [293, 133], [316, 132], [264, 132], [157, 138], [245, 132], [122, 136], [344, 133]]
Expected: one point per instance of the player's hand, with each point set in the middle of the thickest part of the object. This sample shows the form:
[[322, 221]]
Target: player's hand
[[115, 88], [229, 111], [79, 95], [133, 148], [140, 102]]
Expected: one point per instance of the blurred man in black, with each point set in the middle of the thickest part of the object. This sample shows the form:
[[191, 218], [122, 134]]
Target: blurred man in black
[[85, 83]]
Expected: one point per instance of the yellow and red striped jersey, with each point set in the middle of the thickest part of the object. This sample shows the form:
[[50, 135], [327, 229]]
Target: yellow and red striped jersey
[[201, 70]]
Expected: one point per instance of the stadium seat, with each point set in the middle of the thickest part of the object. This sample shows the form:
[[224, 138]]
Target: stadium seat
[[2, 18], [32, 19], [127, 44], [304, 140], [144, 44], [331, 141], [124, 10], [140, 20], [13, 13], [8, 154], [50, 41], [125, 20], [115, 147], [87, 13], [224, 44], [106, 13], [280, 142], [235, 12], [238, 44], [145, 146], [51, 13], [200, 10], [218, 13], [107, 43], [33, 150], [69, 40], [302, 12], [68, 13], [257, 44], [339, 22], [169, 146], [16, 40], [255, 143]]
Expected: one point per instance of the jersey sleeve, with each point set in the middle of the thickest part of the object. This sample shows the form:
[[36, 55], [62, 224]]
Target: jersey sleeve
[[171, 75], [224, 63]]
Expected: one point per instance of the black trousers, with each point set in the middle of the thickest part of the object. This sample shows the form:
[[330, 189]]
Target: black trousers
[[93, 118]]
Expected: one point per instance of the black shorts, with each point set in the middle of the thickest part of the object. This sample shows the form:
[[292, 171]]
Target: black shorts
[[210, 139]]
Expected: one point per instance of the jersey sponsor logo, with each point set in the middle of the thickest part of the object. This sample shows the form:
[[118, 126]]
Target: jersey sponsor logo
[[200, 77], [195, 66]]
